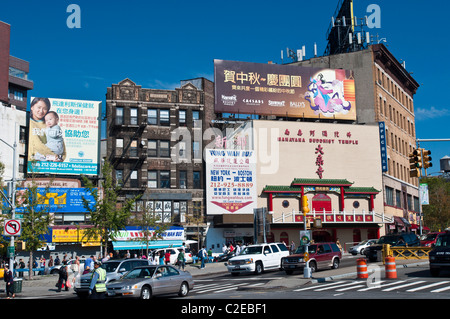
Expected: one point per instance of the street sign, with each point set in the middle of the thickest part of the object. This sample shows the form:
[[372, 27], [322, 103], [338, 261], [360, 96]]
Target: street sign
[[12, 227]]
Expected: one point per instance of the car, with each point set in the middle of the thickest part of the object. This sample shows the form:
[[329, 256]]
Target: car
[[115, 268], [148, 281], [174, 252], [257, 258], [320, 255], [359, 248], [397, 240], [429, 239], [439, 256], [226, 256], [55, 269], [187, 254]]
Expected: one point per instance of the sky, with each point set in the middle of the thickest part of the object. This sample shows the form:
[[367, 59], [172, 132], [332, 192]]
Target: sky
[[159, 43]]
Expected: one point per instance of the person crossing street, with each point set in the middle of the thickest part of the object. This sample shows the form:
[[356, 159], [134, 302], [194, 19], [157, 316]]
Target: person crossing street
[[97, 289]]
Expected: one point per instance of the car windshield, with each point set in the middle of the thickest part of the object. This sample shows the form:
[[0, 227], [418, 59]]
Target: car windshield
[[430, 237], [443, 241], [301, 249], [363, 242], [391, 240], [140, 273], [252, 250], [110, 266]]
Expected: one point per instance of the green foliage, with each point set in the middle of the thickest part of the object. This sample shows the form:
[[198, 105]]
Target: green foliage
[[108, 217], [437, 213]]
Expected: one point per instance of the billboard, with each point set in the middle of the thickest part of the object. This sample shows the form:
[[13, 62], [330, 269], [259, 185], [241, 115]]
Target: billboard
[[63, 136], [230, 181], [58, 200], [282, 90]]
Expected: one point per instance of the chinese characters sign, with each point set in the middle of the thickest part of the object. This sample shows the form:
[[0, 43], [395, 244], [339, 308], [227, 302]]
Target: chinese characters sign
[[281, 90], [63, 136], [231, 181]]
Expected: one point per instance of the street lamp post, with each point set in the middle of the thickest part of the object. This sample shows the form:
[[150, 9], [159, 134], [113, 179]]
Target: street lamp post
[[13, 200]]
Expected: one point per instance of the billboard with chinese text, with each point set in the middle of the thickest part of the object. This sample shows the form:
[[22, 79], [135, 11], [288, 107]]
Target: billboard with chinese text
[[284, 90], [230, 181], [63, 136]]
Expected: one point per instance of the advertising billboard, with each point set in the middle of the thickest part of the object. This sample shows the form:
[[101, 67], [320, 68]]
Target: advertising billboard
[[231, 181], [283, 90], [58, 200], [64, 136]]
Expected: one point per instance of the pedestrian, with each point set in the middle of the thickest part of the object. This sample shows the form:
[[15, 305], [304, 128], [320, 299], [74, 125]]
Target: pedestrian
[[224, 249], [97, 289], [50, 262], [21, 266], [202, 255], [62, 279], [87, 262], [76, 267], [181, 260], [167, 257], [292, 248], [338, 243], [161, 257], [57, 261], [9, 280]]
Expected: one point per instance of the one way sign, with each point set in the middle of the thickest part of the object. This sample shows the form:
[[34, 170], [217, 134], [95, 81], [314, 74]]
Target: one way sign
[[12, 227]]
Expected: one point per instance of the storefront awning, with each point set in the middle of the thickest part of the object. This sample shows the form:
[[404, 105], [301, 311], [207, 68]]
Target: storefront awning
[[401, 221], [155, 244]]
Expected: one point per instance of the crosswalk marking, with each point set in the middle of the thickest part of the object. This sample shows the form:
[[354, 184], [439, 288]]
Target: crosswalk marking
[[312, 287], [441, 289], [405, 285], [428, 286]]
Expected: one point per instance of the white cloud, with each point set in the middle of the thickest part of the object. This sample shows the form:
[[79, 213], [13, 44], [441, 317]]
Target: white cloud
[[431, 113]]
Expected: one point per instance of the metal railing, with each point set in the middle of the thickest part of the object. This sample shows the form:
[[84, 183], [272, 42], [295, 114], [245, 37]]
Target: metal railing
[[416, 252]]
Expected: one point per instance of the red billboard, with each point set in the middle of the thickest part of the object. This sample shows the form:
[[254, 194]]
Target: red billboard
[[284, 90]]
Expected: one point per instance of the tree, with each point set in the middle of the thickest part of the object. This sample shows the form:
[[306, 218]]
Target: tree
[[108, 216], [151, 227], [437, 213], [34, 203]]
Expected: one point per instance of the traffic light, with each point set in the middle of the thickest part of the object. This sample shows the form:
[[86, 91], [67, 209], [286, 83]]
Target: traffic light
[[305, 208], [426, 159], [415, 163]]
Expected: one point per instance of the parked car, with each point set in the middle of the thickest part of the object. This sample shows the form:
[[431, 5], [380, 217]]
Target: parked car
[[359, 248], [55, 269], [258, 258], [148, 281], [439, 256], [174, 252], [114, 268], [396, 240], [226, 256], [187, 255], [321, 255], [429, 239]]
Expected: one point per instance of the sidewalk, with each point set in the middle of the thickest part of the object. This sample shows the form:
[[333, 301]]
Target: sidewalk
[[43, 286]]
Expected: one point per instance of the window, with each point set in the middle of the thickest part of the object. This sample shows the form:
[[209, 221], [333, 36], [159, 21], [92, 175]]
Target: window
[[183, 179], [152, 180], [134, 179], [152, 117], [389, 196], [164, 148], [133, 116], [164, 117], [152, 149], [196, 149], [22, 134], [398, 198], [196, 178], [119, 115], [119, 177], [196, 119], [182, 117], [164, 179], [133, 148]]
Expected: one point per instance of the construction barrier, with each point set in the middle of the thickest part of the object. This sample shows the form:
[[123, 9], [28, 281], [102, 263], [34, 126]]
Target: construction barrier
[[361, 268], [390, 268]]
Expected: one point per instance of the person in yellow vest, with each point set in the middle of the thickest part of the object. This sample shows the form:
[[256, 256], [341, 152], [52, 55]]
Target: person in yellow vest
[[97, 289]]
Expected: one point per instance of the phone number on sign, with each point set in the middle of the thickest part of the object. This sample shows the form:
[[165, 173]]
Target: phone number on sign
[[231, 185]]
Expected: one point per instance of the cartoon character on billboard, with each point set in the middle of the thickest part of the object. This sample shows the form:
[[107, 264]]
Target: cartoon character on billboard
[[326, 93], [46, 138]]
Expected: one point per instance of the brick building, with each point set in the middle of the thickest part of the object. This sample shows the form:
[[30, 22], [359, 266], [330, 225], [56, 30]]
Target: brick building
[[155, 143]]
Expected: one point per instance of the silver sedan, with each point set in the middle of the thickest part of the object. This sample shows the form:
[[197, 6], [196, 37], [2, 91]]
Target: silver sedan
[[148, 281]]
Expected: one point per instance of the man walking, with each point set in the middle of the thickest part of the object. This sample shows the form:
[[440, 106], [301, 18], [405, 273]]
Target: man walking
[[97, 289]]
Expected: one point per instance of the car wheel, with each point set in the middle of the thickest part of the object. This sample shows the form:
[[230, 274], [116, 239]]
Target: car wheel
[[146, 293], [313, 266], [184, 289], [259, 268], [434, 272], [335, 263]]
